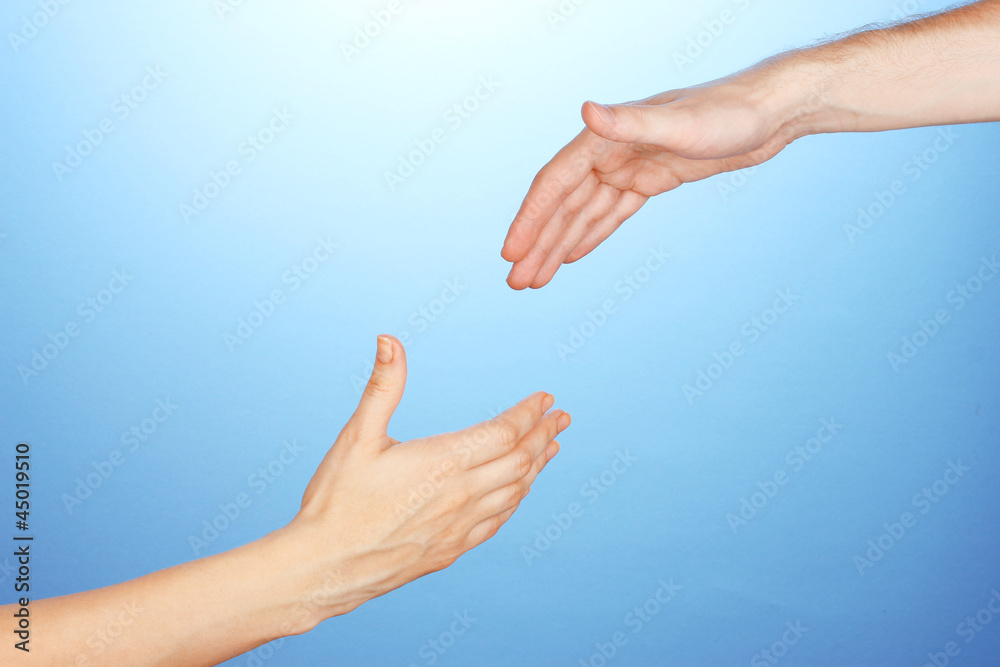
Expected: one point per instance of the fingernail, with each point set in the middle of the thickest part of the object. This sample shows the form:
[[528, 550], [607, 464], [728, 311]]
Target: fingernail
[[384, 349], [552, 450], [605, 112], [564, 421], [547, 402]]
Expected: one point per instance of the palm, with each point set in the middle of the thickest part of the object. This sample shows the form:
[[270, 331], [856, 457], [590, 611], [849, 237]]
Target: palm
[[594, 184]]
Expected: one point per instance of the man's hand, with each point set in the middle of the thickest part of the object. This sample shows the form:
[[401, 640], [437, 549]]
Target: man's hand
[[379, 513], [629, 153], [934, 70]]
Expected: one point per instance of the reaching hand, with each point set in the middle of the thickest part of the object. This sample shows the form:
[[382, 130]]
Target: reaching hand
[[629, 153], [377, 514], [932, 70], [382, 513]]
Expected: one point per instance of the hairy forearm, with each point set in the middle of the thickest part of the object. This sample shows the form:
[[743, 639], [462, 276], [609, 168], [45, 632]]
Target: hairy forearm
[[936, 70], [198, 613]]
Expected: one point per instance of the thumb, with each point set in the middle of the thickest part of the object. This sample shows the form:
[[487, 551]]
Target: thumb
[[383, 392], [634, 123]]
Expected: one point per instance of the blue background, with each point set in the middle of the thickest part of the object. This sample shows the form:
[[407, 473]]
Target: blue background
[[733, 244]]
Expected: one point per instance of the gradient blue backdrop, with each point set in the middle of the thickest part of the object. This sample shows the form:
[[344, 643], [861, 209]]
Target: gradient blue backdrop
[[733, 244]]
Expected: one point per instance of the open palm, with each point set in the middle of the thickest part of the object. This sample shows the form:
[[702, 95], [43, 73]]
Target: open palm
[[627, 154]]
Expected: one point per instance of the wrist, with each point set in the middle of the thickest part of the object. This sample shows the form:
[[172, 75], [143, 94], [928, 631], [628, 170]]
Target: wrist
[[316, 577], [803, 96], [271, 572]]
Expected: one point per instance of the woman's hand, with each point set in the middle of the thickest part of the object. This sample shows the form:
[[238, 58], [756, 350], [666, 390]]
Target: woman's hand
[[380, 513], [377, 514]]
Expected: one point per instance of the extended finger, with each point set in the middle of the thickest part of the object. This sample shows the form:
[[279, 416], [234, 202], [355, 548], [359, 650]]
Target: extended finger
[[628, 203], [517, 464], [487, 528], [524, 270], [601, 204], [501, 435], [502, 499], [556, 181]]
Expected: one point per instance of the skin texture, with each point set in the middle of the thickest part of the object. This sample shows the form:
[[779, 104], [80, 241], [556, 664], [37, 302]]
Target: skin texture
[[934, 70], [377, 514]]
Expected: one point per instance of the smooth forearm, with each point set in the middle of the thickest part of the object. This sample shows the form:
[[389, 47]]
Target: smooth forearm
[[938, 70], [199, 613]]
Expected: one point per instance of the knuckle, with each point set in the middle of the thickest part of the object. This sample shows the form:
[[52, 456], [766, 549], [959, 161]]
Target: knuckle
[[529, 479], [378, 384], [523, 487], [497, 522], [488, 528], [458, 499], [444, 560], [494, 525], [451, 538], [456, 544], [507, 433], [522, 461]]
